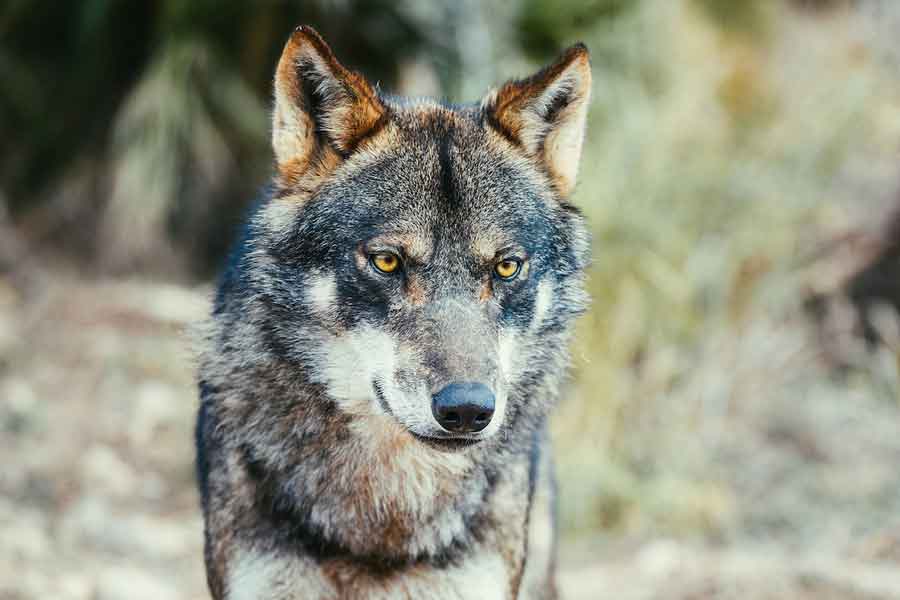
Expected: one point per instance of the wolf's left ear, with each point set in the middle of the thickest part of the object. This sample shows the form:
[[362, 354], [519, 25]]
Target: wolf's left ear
[[322, 109], [546, 114]]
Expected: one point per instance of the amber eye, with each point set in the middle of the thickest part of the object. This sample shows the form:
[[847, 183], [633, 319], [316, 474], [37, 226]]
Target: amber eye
[[385, 262], [507, 269]]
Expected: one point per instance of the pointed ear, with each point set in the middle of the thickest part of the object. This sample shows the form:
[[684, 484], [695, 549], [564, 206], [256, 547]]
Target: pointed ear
[[319, 106], [546, 114]]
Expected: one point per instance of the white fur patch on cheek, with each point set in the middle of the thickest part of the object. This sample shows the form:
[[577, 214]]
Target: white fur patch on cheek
[[542, 302], [353, 361], [499, 411], [508, 359], [508, 350], [321, 293], [412, 408]]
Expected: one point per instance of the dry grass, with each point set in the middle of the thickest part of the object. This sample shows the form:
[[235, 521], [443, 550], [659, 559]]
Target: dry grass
[[720, 166]]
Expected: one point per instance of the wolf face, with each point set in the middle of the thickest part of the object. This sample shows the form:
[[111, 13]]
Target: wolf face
[[419, 261]]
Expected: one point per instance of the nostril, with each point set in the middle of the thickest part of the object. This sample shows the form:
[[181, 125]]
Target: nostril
[[452, 418]]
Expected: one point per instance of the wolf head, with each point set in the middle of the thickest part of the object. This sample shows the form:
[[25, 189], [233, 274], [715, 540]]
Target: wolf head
[[420, 261]]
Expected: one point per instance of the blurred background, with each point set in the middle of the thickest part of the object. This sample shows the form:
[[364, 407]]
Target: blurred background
[[732, 429]]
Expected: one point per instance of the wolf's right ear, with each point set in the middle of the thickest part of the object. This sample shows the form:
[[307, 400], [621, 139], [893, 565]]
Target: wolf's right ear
[[322, 109]]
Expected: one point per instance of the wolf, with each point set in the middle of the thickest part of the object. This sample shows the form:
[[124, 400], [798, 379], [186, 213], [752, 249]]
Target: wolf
[[388, 338]]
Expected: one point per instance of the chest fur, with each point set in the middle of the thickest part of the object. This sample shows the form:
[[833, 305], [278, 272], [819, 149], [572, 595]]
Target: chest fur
[[273, 577], [488, 567]]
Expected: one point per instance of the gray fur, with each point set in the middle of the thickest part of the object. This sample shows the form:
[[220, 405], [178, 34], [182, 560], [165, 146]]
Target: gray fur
[[322, 471]]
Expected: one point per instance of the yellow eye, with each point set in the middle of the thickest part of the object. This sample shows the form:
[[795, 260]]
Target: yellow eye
[[385, 262], [507, 269]]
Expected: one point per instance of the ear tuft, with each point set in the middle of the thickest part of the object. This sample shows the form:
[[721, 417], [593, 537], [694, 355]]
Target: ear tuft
[[320, 105], [546, 114]]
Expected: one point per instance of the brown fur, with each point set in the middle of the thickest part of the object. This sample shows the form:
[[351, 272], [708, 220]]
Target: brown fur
[[512, 110], [513, 97], [355, 113]]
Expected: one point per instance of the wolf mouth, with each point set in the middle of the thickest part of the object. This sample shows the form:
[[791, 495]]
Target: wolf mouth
[[382, 401], [448, 443]]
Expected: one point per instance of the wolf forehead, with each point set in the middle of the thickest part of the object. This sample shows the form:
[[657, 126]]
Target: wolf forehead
[[430, 173]]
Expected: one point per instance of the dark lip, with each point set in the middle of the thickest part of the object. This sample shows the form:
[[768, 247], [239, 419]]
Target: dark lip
[[448, 444], [379, 393]]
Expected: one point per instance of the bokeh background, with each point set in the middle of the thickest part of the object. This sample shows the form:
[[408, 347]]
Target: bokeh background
[[732, 429]]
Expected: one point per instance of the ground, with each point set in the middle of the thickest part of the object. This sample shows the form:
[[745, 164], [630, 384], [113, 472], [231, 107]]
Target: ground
[[97, 499]]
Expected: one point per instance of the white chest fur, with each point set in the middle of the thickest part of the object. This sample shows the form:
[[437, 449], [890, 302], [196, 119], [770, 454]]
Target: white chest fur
[[483, 576]]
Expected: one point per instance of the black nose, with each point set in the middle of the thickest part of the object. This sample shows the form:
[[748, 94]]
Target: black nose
[[463, 407]]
